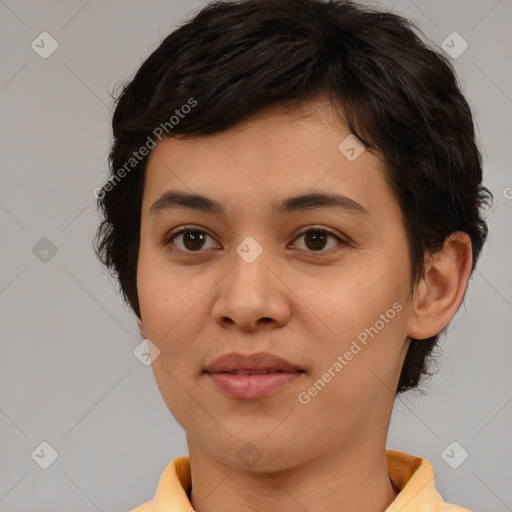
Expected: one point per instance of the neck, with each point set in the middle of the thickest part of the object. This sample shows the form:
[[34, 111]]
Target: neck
[[352, 477]]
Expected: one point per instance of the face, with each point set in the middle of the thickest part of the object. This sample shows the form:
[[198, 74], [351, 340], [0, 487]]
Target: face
[[323, 286]]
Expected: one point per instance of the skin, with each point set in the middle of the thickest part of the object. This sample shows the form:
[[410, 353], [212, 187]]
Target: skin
[[304, 304]]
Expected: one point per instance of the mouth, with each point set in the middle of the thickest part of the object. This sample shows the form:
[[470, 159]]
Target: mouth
[[253, 376]]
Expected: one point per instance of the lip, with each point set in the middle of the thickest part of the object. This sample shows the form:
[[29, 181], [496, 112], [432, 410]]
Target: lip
[[281, 373], [258, 361]]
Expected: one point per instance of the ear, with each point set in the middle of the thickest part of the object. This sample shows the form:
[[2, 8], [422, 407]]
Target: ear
[[441, 290]]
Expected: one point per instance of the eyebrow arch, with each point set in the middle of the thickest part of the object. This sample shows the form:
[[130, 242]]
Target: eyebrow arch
[[173, 199]]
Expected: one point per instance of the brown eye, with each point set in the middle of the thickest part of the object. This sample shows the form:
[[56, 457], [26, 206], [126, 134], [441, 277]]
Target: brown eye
[[315, 239], [192, 240]]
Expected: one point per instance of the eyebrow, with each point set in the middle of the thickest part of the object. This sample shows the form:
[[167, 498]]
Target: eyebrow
[[174, 199]]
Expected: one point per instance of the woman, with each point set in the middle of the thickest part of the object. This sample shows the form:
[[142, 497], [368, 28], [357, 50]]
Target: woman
[[293, 214]]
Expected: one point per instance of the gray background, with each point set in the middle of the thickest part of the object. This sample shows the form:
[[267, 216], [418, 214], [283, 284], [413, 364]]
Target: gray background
[[68, 375]]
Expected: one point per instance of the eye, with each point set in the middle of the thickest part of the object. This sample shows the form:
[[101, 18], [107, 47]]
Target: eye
[[316, 239], [192, 239]]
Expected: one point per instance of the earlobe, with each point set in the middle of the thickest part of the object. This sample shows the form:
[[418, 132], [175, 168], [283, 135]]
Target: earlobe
[[440, 292]]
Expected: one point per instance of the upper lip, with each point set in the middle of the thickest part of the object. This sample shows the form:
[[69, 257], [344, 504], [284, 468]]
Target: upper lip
[[258, 361]]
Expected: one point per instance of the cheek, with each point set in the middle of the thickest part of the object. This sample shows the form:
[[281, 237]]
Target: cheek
[[167, 299], [353, 384], [172, 311], [169, 316], [175, 391], [354, 299], [360, 356]]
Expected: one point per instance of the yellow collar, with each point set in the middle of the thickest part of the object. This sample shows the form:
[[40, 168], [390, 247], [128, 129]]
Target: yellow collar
[[412, 476]]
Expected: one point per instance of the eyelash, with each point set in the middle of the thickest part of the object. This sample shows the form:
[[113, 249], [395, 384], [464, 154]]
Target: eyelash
[[169, 238]]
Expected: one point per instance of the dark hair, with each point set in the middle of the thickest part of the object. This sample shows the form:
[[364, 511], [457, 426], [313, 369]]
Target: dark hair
[[400, 97]]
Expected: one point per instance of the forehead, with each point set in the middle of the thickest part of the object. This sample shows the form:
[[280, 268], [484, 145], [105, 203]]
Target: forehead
[[282, 151]]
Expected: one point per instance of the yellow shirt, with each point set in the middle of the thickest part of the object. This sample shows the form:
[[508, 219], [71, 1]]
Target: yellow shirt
[[412, 475]]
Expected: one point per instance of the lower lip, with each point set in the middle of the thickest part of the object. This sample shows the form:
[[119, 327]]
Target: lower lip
[[250, 387]]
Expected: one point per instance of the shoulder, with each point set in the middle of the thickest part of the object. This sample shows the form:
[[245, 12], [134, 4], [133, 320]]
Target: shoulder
[[172, 489], [413, 477]]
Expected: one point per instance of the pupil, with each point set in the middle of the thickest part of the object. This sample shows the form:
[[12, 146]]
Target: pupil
[[318, 238], [195, 236]]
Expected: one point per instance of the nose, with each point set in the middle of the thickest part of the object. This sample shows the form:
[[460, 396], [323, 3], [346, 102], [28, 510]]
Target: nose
[[252, 295]]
